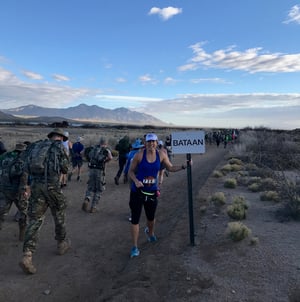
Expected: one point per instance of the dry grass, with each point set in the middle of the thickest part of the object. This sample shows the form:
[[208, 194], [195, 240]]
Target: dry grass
[[237, 231]]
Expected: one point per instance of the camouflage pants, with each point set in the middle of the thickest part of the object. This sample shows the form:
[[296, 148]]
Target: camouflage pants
[[10, 196], [42, 197], [95, 186]]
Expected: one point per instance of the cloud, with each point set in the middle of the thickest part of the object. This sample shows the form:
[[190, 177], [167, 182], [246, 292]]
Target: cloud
[[170, 80], [209, 80], [32, 75], [207, 103], [252, 60], [60, 78], [293, 15], [147, 79], [165, 13], [228, 110], [15, 92], [121, 80], [7, 77]]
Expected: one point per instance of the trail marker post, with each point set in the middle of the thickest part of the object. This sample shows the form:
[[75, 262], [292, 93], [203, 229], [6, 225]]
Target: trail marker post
[[188, 142]]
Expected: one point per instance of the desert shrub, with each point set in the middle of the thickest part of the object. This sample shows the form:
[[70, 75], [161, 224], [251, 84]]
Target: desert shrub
[[237, 210], [235, 161], [218, 199], [236, 167], [230, 183], [226, 168], [242, 180], [271, 149], [269, 196], [237, 231], [254, 241], [256, 184], [289, 193], [217, 174], [261, 172], [268, 184], [253, 179], [251, 167], [254, 187]]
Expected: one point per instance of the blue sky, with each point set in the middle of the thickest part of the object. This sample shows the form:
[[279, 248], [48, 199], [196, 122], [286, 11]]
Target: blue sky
[[209, 63]]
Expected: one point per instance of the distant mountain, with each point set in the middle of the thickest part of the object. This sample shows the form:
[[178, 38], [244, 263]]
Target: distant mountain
[[85, 113], [8, 117]]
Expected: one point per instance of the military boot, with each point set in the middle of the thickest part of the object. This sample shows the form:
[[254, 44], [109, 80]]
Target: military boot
[[63, 246], [26, 263], [22, 230]]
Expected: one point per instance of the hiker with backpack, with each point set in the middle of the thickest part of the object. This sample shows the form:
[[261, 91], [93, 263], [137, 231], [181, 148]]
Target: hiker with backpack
[[14, 185], [45, 161], [77, 152], [123, 147], [98, 156]]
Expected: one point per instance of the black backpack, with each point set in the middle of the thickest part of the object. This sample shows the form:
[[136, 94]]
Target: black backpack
[[12, 166], [97, 157]]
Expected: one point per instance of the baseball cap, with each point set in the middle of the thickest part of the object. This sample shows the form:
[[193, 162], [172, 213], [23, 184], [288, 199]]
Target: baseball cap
[[151, 137]]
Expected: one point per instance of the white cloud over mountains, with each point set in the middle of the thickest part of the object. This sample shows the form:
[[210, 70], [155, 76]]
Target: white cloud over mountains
[[252, 60]]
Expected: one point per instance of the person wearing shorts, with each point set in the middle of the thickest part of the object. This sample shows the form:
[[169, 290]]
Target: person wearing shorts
[[143, 172]]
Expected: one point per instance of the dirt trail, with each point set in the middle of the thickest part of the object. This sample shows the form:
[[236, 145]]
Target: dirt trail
[[98, 267]]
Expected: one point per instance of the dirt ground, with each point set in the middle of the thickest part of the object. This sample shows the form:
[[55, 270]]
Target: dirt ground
[[98, 267]]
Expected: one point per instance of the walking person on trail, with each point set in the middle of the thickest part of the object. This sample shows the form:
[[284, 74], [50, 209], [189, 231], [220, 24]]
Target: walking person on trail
[[46, 160], [98, 157], [77, 160], [68, 146], [143, 171], [123, 147], [14, 186], [2, 147], [136, 147]]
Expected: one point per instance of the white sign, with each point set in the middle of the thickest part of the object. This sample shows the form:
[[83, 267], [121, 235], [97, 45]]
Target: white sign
[[188, 142]]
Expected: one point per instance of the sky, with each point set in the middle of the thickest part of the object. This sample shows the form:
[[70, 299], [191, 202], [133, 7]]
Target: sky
[[193, 63]]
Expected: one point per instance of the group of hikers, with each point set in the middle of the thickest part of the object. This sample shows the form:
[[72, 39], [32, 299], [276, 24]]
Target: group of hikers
[[33, 174]]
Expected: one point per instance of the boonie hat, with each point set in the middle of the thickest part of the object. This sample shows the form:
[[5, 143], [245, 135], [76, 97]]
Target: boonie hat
[[57, 131], [151, 137], [137, 144], [20, 147]]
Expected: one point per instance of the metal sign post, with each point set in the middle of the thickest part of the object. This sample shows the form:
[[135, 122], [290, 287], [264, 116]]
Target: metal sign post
[[190, 196], [187, 143]]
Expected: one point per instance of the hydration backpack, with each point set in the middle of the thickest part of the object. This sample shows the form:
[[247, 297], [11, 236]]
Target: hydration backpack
[[11, 167], [97, 157], [43, 157]]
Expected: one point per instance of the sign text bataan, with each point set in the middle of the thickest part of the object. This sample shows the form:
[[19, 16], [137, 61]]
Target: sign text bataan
[[188, 142]]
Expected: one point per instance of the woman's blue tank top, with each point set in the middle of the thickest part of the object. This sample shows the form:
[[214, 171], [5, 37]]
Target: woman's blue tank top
[[147, 173]]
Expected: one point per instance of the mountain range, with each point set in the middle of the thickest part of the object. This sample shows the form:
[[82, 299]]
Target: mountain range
[[80, 113]]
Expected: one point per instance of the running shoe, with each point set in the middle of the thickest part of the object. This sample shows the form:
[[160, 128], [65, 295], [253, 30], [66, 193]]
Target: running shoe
[[152, 238], [134, 252]]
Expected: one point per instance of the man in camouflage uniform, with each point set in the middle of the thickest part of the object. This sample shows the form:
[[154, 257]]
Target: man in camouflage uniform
[[15, 189], [96, 181], [46, 192]]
